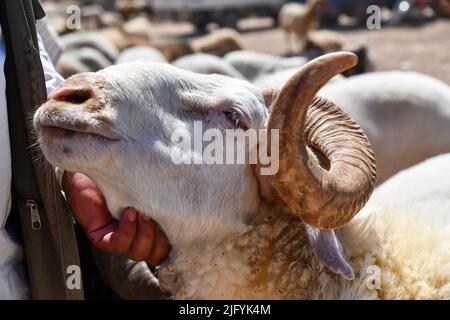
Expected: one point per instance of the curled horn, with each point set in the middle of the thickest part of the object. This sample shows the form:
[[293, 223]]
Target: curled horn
[[327, 168]]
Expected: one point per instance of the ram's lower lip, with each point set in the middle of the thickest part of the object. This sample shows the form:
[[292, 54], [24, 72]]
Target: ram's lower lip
[[68, 133]]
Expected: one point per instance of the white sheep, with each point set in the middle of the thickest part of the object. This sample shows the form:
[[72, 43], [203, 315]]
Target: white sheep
[[278, 78], [116, 37], [298, 19], [79, 60], [254, 65], [402, 113], [92, 40], [139, 31], [111, 19], [207, 64], [143, 53], [237, 233], [270, 70]]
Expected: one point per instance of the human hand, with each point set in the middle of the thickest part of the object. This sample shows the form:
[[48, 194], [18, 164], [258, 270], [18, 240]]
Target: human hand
[[133, 235]]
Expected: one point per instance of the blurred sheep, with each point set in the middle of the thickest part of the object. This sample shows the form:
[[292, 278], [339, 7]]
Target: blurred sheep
[[207, 64], [278, 78], [255, 64], [111, 19], [138, 31], [143, 53], [173, 49], [116, 37], [406, 115], [298, 19], [219, 42], [91, 16], [79, 60], [324, 41], [130, 8], [92, 40]]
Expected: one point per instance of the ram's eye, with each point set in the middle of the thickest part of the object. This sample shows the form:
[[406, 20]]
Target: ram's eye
[[235, 118]]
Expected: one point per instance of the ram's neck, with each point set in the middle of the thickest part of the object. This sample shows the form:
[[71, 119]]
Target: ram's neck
[[271, 259]]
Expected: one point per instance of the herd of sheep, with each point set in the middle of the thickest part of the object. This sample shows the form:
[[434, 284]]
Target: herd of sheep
[[312, 231]]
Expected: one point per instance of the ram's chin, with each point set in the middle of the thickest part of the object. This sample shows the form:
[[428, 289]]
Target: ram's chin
[[76, 151]]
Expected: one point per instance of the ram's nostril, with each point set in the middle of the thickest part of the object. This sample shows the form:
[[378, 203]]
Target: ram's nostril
[[77, 98], [72, 95]]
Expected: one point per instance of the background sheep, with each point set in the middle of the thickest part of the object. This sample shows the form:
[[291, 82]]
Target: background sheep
[[91, 16], [111, 19], [207, 64], [92, 40], [298, 19], [173, 49], [139, 31], [250, 63], [218, 42], [265, 70], [324, 41], [143, 53], [277, 78], [406, 115], [214, 229], [254, 65], [130, 8], [116, 37], [79, 60]]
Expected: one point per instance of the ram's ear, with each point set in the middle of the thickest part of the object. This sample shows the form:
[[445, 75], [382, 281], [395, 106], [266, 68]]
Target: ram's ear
[[328, 250]]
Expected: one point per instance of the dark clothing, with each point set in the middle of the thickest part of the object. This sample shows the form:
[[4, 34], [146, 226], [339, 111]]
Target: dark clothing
[[46, 224]]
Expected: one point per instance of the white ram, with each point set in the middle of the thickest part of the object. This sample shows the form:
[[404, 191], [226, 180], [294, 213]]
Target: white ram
[[237, 233]]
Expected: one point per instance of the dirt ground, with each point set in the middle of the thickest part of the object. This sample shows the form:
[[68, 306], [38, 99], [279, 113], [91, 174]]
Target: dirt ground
[[424, 48]]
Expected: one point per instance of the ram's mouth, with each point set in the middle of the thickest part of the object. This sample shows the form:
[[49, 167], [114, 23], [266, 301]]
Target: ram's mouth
[[63, 130], [59, 132]]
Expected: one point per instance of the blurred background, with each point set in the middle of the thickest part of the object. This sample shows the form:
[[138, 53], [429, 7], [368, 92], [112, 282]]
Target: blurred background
[[405, 35]]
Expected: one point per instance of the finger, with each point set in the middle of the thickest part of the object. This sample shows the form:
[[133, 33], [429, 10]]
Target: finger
[[122, 240], [86, 201], [143, 242], [73, 182], [79, 187], [161, 249]]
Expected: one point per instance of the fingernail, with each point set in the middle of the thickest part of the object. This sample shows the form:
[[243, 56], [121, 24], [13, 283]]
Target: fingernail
[[145, 217], [158, 226], [132, 216]]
